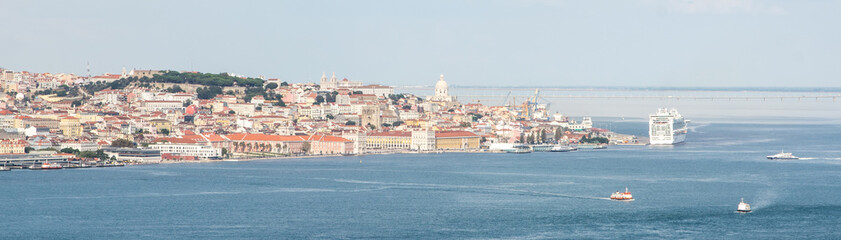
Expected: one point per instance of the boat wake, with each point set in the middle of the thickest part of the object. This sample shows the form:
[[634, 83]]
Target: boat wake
[[694, 127], [764, 199], [447, 187]]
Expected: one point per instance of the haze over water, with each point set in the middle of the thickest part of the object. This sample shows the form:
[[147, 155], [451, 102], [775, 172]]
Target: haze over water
[[727, 105]]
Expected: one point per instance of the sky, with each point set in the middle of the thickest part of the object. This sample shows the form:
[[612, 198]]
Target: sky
[[634, 43]]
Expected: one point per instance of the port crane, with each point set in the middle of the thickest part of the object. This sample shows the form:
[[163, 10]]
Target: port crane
[[532, 105]]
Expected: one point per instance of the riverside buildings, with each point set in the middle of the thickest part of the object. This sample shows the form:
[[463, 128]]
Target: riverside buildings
[[332, 117]]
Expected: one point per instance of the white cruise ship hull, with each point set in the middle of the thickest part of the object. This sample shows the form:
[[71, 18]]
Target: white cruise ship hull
[[667, 140], [666, 127]]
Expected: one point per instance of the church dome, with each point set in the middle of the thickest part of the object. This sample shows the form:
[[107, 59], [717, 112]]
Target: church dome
[[441, 84]]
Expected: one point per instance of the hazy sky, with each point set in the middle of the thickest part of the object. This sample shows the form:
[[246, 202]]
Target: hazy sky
[[654, 43]]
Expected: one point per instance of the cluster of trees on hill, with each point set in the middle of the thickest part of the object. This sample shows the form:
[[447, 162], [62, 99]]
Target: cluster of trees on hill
[[206, 79], [61, 91], [212, 83]]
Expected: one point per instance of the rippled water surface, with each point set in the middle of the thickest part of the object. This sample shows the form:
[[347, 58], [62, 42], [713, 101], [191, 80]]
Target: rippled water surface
[[687, 191]]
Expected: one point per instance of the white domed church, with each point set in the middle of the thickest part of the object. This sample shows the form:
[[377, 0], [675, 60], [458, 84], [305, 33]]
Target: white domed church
[[442, 92]]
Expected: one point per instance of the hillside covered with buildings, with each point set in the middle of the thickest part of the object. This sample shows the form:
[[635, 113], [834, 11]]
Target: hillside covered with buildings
[[157, 115]]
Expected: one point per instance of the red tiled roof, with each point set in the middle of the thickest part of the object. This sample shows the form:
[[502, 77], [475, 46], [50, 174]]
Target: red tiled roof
[[325, 138], [214, 137], [264, 137]]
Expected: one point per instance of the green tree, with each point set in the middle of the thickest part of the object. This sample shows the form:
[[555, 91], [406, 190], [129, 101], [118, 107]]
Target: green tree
[[305, 147], [123, 143], [69, 150], [350, 123], [280, 103], [164, 131], [174, 89], [271, 86], [76, 103], [208, 92]]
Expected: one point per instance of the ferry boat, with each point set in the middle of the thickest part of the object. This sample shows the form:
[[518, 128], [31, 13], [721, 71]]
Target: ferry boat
[[622, 196], [519, 149], [783, 156], [561, 148], [743, 207], [666, 127], [49, 166]]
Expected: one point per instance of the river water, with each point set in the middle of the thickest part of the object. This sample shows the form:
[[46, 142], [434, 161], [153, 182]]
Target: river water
[[686, 191]]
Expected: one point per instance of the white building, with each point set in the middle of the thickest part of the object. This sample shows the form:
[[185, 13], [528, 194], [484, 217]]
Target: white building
[[359, 141], [244, 109], [153, 106], [423, 140], [328, 84], [374, 89], [442, 92], [195, 150], [80, 145]]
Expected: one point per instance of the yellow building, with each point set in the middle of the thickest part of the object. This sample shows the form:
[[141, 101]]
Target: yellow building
[[89, 117], [417, 123], [70, 127], [456, 140], [13, 146], [160, 124], [389, 140]]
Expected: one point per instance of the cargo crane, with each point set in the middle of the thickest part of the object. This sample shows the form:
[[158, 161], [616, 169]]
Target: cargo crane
[[531, 106]]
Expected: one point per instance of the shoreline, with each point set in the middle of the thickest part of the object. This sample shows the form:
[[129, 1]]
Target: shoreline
[[354, 155]]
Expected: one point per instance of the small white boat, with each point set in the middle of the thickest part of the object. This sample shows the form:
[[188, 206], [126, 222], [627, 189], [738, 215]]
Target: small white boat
[[743, 207], [783, 156]]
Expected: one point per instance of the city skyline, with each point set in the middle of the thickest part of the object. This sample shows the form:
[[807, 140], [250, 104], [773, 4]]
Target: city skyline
[[497, 43]]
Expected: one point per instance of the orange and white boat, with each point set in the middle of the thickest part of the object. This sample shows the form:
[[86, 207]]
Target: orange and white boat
[[48, 166], [622, 196]]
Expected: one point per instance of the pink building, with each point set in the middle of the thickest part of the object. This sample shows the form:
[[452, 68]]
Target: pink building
[[321, 144]]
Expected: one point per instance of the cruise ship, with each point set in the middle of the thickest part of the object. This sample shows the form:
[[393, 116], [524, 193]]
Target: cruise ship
[[666, 127]]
